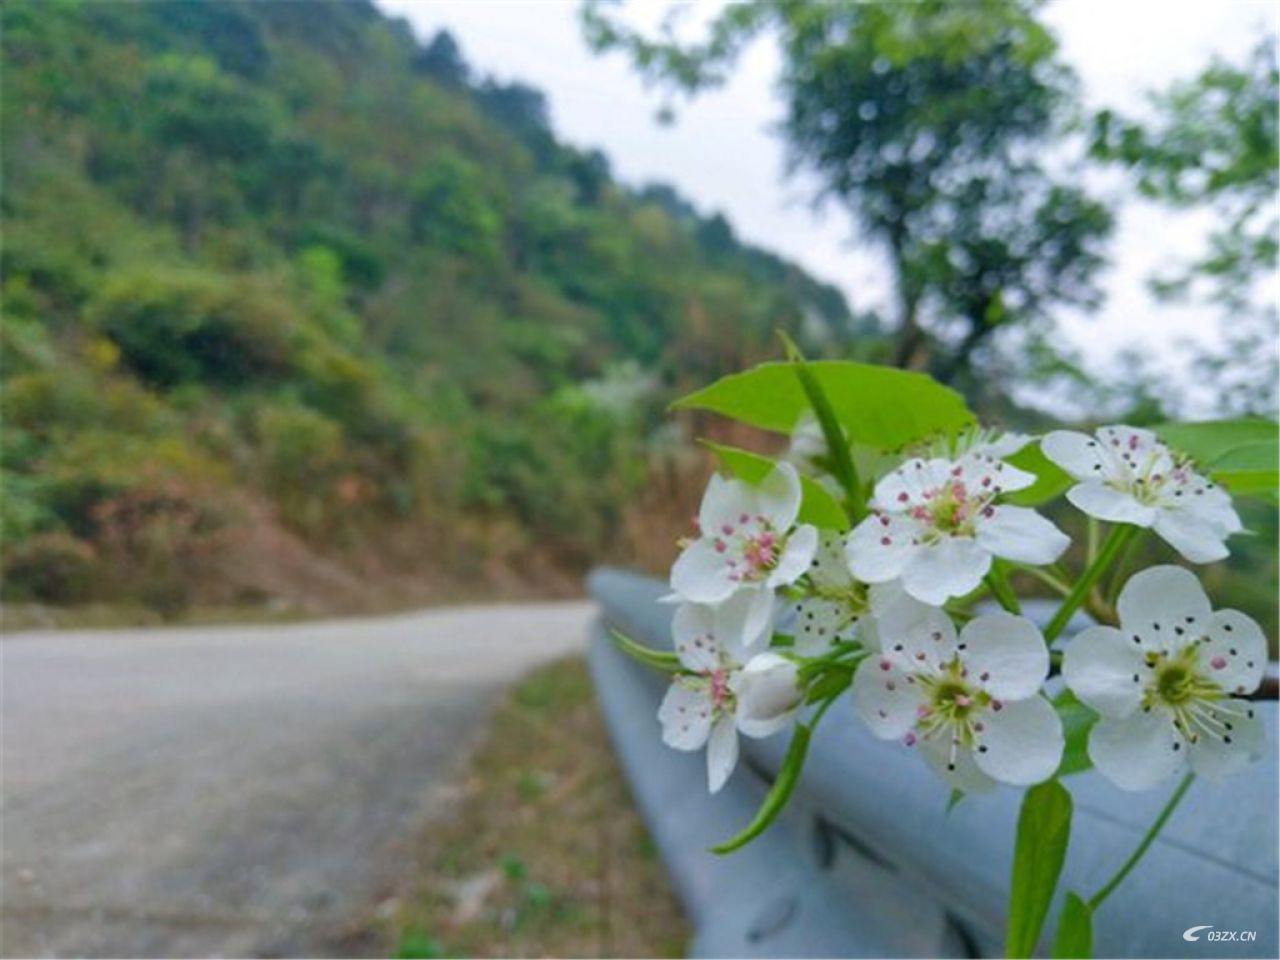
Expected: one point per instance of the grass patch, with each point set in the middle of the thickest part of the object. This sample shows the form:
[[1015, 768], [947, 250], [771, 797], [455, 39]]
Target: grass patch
[[544, 855]]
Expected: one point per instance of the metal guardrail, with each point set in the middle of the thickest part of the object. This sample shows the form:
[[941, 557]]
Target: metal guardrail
[[867, 861]]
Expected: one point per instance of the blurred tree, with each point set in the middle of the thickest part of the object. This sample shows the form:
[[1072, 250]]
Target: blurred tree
[[1213, 143], [930, 123], [442, 61]]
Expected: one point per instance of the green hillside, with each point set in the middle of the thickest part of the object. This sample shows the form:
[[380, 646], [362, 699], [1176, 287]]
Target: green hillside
[[298, 309]]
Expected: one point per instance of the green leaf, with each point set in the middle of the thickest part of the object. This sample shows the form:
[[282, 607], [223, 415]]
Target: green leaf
[[1077, 721], [1044, 827], [1207, 440], [953, 801], [778, 794], [1243, 455], [1249, 471], [1074, 939], [817, 505], [657, 659], [1051, 479], [881, 407]]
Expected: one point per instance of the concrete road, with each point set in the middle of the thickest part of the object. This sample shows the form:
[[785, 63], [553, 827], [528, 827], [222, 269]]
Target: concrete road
[[238, 791]]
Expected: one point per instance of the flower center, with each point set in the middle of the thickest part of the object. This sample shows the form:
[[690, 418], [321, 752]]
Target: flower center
[[1155, 480], [954, 707], [752, 547], [952, 508], [1197, 704], [1178, 680], [720, 693]]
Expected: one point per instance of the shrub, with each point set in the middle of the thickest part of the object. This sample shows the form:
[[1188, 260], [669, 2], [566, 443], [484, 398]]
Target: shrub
[[160, 542], [302, 453], [50, 568], [186, 326]]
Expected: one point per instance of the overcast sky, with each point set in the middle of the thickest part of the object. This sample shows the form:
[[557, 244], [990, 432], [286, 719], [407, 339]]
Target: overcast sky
[[724, 156]]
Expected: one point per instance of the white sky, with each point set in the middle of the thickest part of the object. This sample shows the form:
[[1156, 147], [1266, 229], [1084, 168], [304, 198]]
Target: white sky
[[723, 156]]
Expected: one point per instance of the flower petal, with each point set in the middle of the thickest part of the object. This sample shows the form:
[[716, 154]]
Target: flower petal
[[949, 568], [700, 574], [819, 623], [1021, 534], [693, 630], [744, 623], [1097, 499], [1006, 654], [685, 715], [778, 496], [1138, 751], [1136, 445], [895, 610], [829, 569], [1190, 535], [768, 694], [1021, 743], [797, 556], [955, 764], [1077, 453], [922, 645], [723, 502], [1165, 606], [1100, 665], [1235, 651], [981, 471], [1217, 757], [880, 546], [1005, 444], [906, 486], [886, 698], [1215, 508], [722, 752]]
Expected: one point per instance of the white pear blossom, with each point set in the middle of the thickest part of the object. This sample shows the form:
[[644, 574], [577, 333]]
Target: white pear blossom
[[748, 542], [731, 684], [937, 524], [1169, 682], [971, 703], [1127, 475], [836, 607]]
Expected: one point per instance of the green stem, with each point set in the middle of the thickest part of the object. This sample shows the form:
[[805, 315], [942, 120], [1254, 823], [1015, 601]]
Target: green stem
[[1096, 900], [1091, 550], [837, 443], [1122, 568], [1116, 539], [998, 581], [1045, 577]]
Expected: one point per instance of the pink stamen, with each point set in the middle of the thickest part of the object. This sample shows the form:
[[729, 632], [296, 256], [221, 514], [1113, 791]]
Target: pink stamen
[[719, 688], [1218, 663], [909, 740]]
